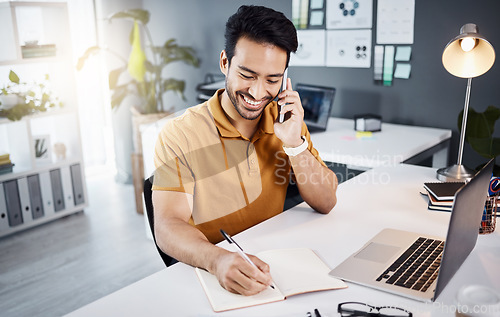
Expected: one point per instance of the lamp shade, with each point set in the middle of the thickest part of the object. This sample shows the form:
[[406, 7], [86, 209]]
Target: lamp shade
[[474, 62]]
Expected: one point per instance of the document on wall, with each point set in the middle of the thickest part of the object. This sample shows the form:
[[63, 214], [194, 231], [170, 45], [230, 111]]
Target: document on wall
[[395, 21], [349, 48], [403, 71], [294, 271], [342, 14], [311, 49]]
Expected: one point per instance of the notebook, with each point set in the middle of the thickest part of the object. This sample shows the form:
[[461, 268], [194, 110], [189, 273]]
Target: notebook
[[443, 190], [317, 102], [294, 271], [377, 263]]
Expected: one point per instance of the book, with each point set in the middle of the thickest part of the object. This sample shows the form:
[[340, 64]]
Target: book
[[7, 168], [438, 207], [443, 190], [435, 202], [31, 51], [294, 271], [5, 161]]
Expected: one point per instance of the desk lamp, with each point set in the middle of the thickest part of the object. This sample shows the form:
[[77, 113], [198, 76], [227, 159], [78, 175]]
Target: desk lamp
[[468, 55]]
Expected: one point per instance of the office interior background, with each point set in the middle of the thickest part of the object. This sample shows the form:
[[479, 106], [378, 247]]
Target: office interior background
[[431, 97]]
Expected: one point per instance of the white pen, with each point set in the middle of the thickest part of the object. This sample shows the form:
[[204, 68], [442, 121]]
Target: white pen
[[230, 240], [283, 88]]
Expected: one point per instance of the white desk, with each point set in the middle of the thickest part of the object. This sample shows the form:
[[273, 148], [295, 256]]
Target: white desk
[[393, 145], [379, 198], [338, 144]]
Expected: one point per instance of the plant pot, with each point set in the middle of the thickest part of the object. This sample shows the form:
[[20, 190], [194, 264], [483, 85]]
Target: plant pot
[[9, 101], [136, 158], [138, 119]]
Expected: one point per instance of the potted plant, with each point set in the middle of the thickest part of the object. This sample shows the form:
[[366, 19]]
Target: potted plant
[[144, 72], [142, 75], [479, 133], [19, 99]]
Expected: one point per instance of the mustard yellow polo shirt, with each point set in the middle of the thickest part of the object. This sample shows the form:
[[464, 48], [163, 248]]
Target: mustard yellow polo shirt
[[236, 183]]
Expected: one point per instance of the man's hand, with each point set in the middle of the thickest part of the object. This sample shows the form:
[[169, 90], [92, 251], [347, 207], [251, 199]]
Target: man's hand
[[240, 277], [290, 130]]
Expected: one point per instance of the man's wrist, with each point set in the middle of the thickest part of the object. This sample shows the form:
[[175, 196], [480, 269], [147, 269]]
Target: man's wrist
[[296, 150], [295, 144]]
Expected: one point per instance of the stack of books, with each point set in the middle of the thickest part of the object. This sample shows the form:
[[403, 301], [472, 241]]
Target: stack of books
[[6, 165], [441, 194], [34, 50]]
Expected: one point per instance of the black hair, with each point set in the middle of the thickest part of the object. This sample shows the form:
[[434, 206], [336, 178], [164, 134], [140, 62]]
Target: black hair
[[262, 25]]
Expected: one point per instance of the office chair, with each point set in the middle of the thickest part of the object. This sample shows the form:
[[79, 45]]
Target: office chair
[[148, 184]]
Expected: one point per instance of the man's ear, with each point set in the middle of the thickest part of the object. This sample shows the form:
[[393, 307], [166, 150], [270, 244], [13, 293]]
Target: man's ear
[[224, 62]]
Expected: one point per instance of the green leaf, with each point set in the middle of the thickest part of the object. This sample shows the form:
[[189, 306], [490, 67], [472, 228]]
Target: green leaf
[[13, 77], [89, 52], [175, 85], [114, 76], [150, 67], [480, 124], [119, 93], [134, 14], [171, 52], [486, 147], [137, 57], [479, 131]]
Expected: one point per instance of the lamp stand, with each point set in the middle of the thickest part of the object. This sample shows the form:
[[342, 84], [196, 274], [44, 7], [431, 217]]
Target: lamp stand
[[458, 172]]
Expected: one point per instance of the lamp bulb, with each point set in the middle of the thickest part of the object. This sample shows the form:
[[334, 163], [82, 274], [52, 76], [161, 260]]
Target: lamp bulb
[[468, 44]]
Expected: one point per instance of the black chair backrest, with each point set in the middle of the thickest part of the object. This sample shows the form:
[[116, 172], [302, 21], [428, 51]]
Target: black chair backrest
[[148, 199]]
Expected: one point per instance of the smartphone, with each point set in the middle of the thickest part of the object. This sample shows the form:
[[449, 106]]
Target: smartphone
[[283, 87]]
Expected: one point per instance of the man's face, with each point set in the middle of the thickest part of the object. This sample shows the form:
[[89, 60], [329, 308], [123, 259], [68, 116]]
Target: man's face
[[254, 77]]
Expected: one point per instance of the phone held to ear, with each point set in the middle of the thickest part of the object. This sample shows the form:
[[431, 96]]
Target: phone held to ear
[[283, 87]]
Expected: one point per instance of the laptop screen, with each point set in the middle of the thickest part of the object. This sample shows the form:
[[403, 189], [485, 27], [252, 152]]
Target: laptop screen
[[317, 102], [465, 221]]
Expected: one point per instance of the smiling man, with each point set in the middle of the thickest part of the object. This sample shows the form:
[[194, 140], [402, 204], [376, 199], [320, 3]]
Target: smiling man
[[226, 163]]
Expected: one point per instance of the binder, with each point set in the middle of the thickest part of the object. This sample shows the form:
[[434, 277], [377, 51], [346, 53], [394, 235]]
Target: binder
[[47, 197], [67, 187], [57, 190], [76, 177], [24, 198], [35, 196], [13, 203], [4, 221]]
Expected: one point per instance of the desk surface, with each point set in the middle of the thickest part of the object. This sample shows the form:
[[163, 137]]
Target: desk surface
[[391, 146], [390, 198]]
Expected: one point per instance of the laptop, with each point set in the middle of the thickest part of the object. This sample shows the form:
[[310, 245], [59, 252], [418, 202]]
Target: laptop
[[317, 102], [391, 262]]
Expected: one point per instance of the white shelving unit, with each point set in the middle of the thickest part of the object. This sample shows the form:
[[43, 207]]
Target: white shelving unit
[[35, 41]]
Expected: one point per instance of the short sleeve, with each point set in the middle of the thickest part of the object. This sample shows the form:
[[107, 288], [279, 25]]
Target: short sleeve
[[172, 170]]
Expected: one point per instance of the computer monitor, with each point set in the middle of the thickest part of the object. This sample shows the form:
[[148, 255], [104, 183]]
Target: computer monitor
[[317, 102]]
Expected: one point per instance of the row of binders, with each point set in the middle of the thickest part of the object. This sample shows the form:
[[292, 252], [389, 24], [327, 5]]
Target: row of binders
[[25, 199]]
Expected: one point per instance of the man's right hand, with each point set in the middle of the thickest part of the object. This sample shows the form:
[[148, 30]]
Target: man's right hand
[[238, 276]]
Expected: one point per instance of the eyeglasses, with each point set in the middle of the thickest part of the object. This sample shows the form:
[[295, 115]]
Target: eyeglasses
[[352, 309]]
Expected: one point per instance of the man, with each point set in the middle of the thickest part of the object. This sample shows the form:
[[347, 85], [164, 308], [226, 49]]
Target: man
[[223, 163]]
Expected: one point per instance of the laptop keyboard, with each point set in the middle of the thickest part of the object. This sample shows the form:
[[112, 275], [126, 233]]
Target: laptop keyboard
[[417, 267]]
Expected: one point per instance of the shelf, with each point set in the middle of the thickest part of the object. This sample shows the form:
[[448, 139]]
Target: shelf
[[38, 115], [33, 28], [48, 179]]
